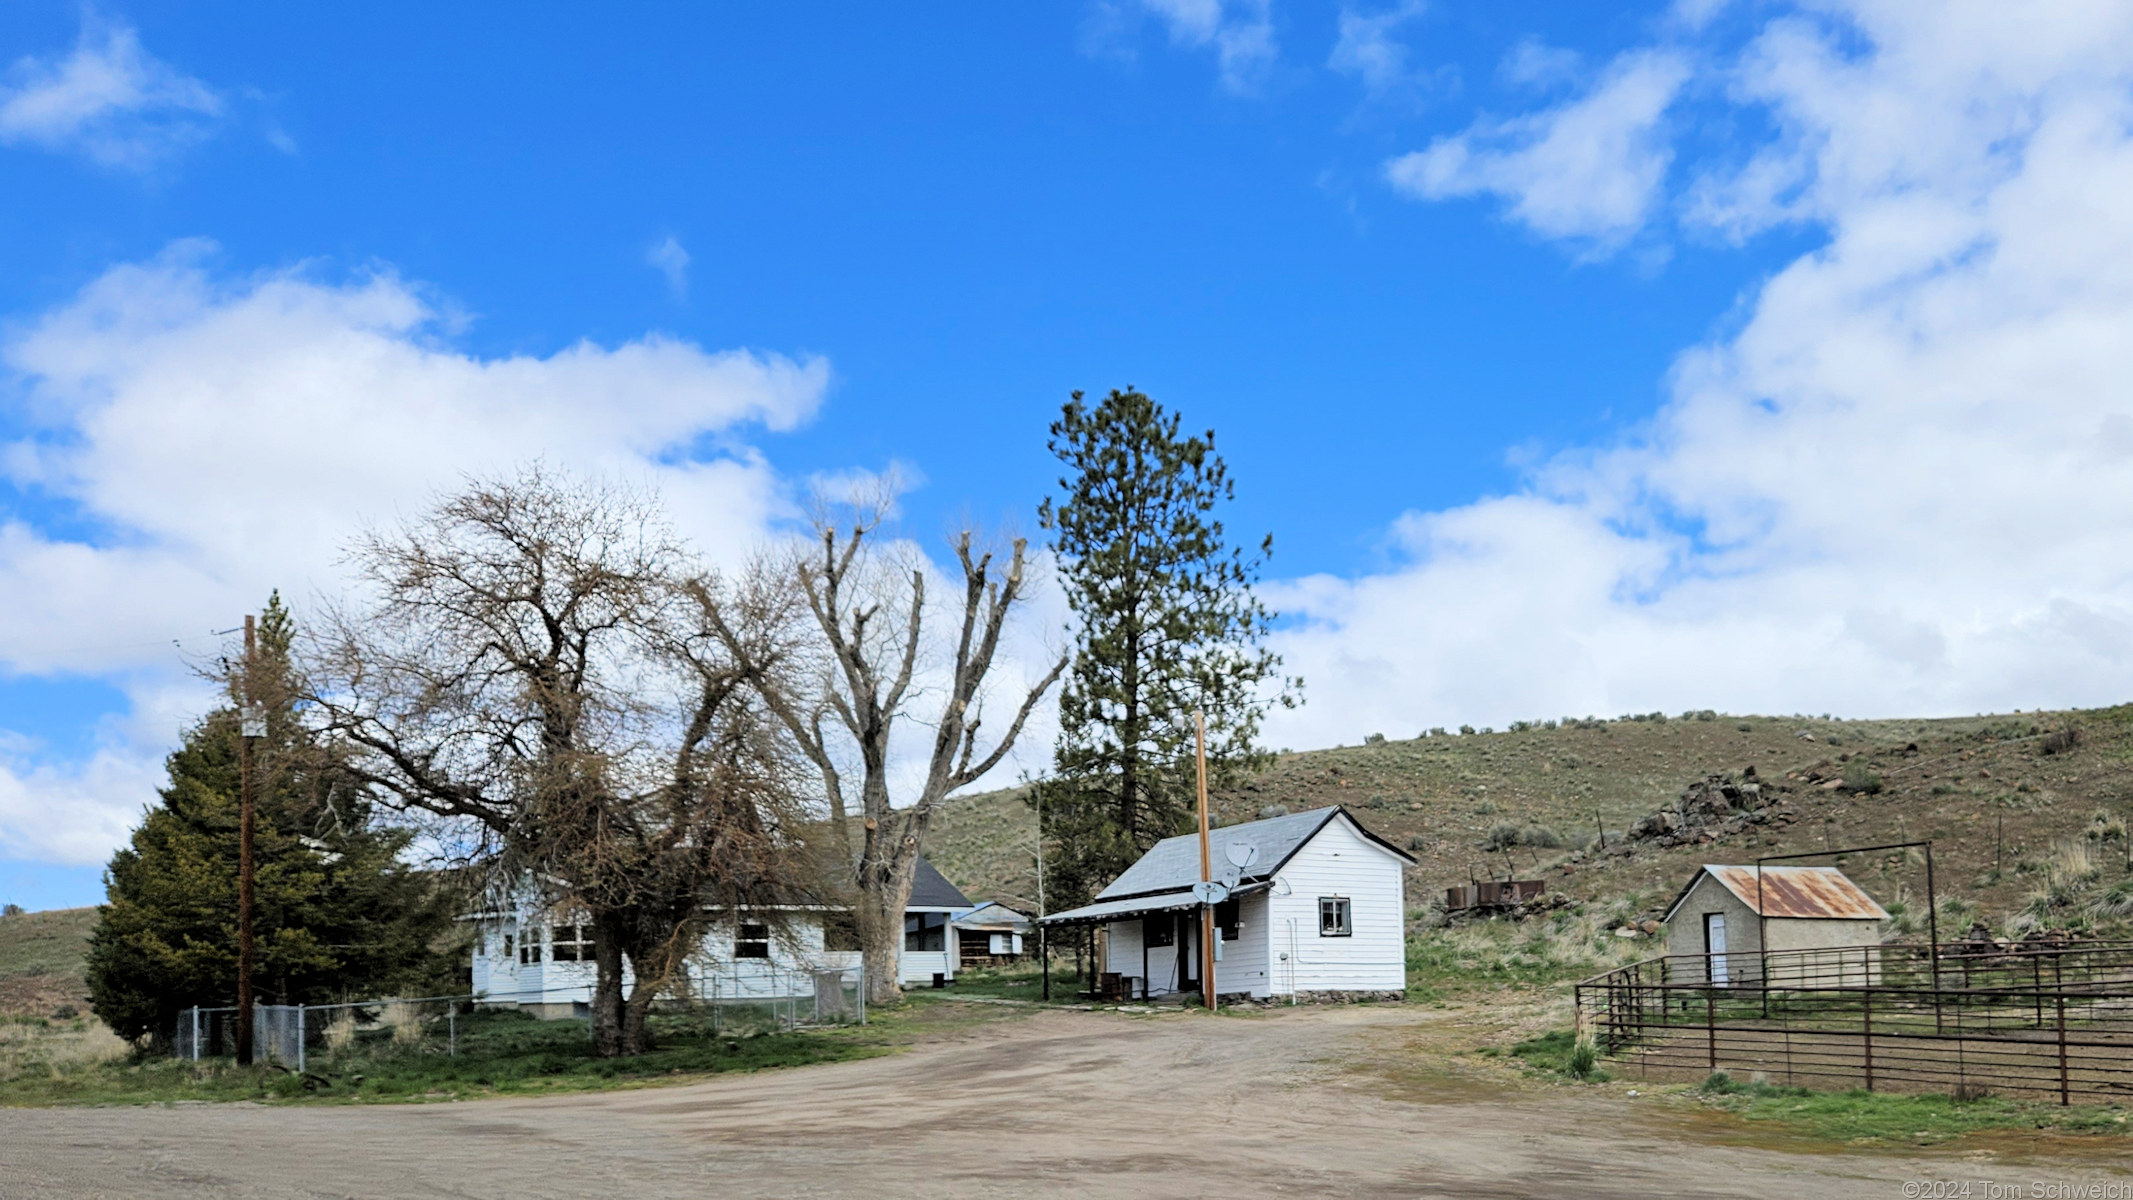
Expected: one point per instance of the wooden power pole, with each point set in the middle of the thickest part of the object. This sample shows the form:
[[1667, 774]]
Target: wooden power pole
[[251, 727], [1207, 911]]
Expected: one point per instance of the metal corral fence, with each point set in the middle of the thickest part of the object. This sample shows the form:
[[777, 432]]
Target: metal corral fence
[[2047, 1020], [289, 1033]]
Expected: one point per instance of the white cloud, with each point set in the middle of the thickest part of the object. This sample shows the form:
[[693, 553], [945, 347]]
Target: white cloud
[[1591, 169], [109, 100], [223, 438], [1368, 50], [671, 260], [1903, 486], [1533, 63], [1240, 32]]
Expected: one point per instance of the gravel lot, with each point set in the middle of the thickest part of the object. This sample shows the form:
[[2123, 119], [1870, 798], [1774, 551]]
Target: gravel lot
[[1295, 1102]]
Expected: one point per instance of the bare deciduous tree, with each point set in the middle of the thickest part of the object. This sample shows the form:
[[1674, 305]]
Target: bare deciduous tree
[[868, 627], [538, 665]]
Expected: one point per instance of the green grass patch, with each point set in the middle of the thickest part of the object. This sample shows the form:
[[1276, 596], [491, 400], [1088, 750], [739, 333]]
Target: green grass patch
[[498, 1054], [1864, 1117], [1541, 952], [1556, 1054]]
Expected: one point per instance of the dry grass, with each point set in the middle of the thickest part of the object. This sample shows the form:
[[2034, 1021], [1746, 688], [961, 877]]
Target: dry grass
[[341, 1032], [405, 1020], [32, 1048]]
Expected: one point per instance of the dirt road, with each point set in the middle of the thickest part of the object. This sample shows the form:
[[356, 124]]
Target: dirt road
[[1045, 1104]]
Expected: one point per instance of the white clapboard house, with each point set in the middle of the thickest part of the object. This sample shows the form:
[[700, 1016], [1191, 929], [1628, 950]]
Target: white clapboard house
[[540, 959], [1318, 907]]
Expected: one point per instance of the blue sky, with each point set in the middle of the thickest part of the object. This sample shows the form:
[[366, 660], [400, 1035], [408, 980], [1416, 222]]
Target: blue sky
[[1579, 357]]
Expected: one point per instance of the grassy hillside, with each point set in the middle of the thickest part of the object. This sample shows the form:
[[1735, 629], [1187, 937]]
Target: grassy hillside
[[41, 957], [1985, 789]]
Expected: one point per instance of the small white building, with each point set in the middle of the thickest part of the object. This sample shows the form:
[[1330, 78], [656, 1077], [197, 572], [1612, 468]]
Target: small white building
[[993, 934], [540, 959], [1820, 924], [1319, 906]]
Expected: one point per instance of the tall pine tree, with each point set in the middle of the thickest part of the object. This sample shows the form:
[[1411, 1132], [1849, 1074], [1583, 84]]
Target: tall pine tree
[[337, 913], [1168, 624]]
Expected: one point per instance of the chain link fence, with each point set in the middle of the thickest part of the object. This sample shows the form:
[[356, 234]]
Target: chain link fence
[[291, 1034]]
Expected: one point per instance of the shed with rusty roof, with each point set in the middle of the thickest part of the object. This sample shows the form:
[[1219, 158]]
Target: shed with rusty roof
[[1725, 918]]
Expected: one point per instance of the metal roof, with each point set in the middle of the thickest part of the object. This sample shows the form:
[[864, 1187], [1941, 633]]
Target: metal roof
[[993, 915], [1132, 906], [1174, 863], [931, 889], [1812, 893]]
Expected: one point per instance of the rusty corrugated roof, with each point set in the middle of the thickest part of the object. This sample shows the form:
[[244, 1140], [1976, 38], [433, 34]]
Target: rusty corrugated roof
[[1823, 892]]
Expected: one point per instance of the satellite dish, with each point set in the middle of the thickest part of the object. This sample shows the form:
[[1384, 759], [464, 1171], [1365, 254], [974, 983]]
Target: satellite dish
[[1241, 854], [1281, 887], [1209, 892]]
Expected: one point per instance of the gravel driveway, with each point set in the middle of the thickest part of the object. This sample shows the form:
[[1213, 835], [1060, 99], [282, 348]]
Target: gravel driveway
[[1045, 1104]]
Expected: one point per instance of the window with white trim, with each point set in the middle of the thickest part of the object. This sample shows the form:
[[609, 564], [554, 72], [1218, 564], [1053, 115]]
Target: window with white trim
[[529, 947], [573, 943], [1334, 919]]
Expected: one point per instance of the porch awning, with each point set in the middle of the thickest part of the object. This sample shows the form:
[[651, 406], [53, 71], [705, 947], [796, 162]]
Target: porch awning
[[1134, 906]]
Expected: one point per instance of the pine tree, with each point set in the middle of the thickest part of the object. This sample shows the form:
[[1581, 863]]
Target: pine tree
[[1168, 624], [337, 913]]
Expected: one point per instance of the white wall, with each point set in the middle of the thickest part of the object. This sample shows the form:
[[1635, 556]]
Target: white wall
[[796, 949], [1340, 862], [1244, 966]]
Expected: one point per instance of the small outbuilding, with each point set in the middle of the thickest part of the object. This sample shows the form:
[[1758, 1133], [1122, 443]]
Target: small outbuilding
[[992, 934], [1317, 907], [1725, 918]]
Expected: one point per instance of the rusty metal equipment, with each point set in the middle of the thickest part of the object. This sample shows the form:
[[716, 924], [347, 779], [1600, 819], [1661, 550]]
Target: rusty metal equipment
[[1493, 894]]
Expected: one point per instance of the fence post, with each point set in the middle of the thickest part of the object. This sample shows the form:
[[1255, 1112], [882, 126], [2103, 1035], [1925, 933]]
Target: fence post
[[196, 1033], [1710, 1024], [1866, 1039], [2061, 1002], [451, 1029], [299, 1039]]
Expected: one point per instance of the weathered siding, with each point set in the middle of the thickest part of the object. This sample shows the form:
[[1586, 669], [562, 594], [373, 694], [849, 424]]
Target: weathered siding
[[1684, 934], [1122, 947], [1339, 862]]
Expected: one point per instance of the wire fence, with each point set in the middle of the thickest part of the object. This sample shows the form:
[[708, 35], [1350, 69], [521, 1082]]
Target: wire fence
[[2047, 1020], [290, 1034]]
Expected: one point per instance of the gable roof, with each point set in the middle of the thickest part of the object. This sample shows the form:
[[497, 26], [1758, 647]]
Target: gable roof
[[1809, 893], [1174, 863], [994, 915], [931, 889]]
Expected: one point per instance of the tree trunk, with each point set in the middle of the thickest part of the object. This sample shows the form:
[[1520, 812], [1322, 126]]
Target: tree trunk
[[609, 1038], [881, 940]]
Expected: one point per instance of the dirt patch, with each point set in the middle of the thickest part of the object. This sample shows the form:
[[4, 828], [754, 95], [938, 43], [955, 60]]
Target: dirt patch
[[41, 995], [1053, 1104]]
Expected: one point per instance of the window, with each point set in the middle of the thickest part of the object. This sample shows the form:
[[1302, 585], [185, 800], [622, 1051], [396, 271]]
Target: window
[[840, 931], [507, 947], [1229, 919], [573, 943], [925, 931], [1333, 920], [529, 948], [1159, 930], [481, 942], [751, 939]]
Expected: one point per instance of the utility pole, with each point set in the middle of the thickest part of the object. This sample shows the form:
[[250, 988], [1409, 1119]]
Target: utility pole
[[1207, 911], [251, 727], [1044, 935]]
